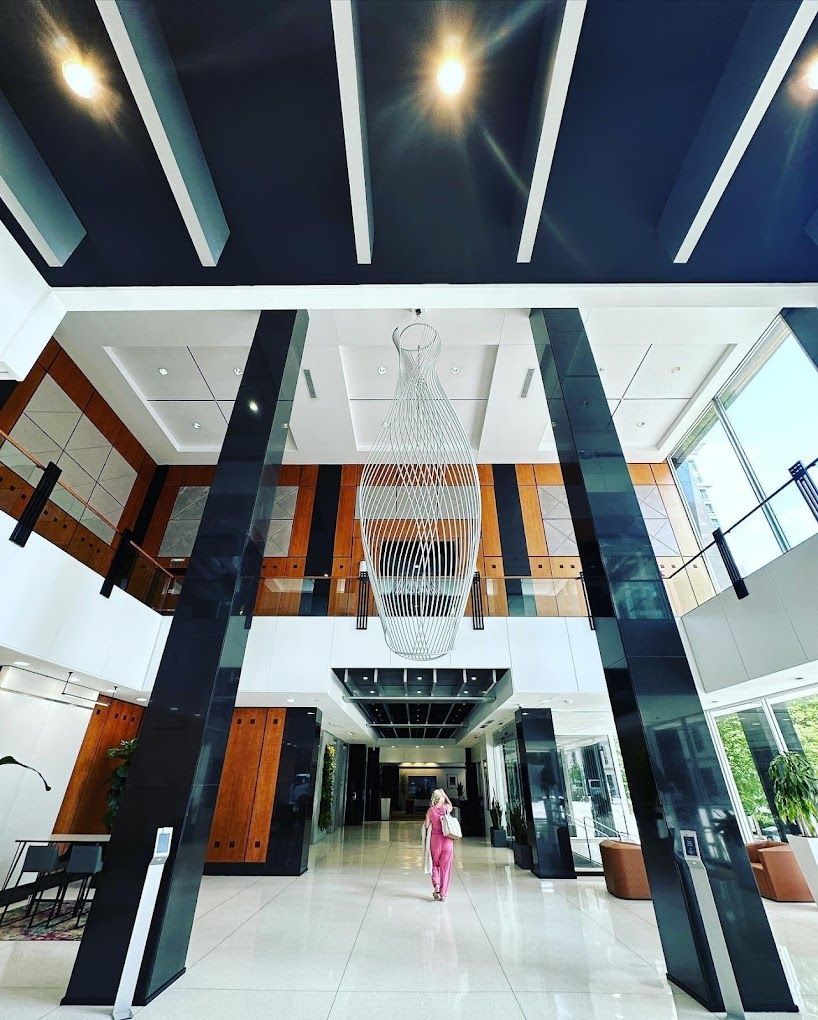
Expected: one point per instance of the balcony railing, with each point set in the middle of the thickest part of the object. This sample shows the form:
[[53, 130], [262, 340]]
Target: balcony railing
[[754, 539], [34, 494]]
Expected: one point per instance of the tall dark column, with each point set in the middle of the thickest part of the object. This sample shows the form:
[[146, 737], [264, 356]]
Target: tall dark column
[[373, 784], [544, 796], [670, 762], [356, 785], [804, 324], [175, 773], [763, 748], [291, 826]]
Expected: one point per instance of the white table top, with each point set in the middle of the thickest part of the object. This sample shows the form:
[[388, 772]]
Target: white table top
[[67, 837]]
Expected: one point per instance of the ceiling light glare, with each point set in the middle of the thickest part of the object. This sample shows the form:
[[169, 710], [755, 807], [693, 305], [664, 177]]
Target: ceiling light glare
[[290, 701], [812, 76], [676, 370], [455, 369], [162, 371], [451, 76], [21, 663], [640, 424], [237, 371], [80, 79], [141, 699], [381, 369], [254, 408]]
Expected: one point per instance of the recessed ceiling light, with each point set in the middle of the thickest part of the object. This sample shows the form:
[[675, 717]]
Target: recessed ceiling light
[[196, 425], [455, 369], [812, 76], [141, 699], [237, 371], [568, 701], [381, 369], [80, 79], [366, 678], [676, 370], [162, 371], [474, 678], [451, 76], [254, 407], [371, 692], [290, 701], [640, 424], [21, 663]]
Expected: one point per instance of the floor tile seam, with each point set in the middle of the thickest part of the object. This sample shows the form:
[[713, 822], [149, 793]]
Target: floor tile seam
[[243, 923], [360, 927], [239, 892], [29, 988], [612, 934], [490, 942]]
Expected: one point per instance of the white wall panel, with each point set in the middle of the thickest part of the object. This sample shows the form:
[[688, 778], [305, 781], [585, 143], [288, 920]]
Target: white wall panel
[[585, 655], [541, 655], [301, 654], [794, 578]]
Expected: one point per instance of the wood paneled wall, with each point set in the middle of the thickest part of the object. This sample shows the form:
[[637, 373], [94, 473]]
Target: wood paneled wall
[[57, 525], [83, 806]]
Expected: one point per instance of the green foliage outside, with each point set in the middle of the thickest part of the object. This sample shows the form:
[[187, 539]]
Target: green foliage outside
[[804, 715], [795, 785], [124, 750], [750, 790], [327, 788]]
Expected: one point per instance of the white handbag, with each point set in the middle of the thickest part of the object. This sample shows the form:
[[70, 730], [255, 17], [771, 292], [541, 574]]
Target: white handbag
[[451, 827]]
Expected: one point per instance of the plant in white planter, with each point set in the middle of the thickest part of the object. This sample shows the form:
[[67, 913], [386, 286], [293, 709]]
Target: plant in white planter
[[795, 787]]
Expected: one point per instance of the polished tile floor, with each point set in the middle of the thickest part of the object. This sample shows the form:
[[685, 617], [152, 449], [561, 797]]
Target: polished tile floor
[[360, 935]]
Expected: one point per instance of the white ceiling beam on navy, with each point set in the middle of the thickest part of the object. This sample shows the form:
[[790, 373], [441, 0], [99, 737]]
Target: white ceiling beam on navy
[[764, 51], [32, 195], [353, 113], [146, 61], [554, 78]]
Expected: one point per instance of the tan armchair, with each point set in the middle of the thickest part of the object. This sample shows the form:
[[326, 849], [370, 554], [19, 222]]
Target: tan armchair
[[777, 873], [624, 869]]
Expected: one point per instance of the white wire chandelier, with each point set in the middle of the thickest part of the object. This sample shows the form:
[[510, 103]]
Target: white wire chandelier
[[419, 507]]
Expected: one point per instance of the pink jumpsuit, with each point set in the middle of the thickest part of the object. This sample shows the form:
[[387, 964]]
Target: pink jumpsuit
[[442, 849]]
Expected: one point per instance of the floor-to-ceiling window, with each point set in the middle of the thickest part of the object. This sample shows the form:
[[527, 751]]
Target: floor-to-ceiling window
[[763, 420]]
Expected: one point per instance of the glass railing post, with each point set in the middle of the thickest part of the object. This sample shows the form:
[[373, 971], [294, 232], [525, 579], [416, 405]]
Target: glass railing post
[[806, 486], [363, 601], [739, 585], [36, 504], [477, 620]]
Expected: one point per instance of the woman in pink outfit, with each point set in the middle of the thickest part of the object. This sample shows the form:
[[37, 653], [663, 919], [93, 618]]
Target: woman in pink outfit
[[438, 849]]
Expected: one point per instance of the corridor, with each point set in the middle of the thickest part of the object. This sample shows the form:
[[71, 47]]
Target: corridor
[[359, 934]]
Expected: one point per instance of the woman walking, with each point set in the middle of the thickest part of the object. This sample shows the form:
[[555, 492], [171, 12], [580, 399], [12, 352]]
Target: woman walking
[[438, 848]]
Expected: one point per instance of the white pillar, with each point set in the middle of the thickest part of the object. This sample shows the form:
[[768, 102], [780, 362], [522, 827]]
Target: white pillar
[[29, 310]]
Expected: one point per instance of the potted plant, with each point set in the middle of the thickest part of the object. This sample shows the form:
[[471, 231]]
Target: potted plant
[[325, 818], [795, 788], [519, 830], [460, 791], [124, 750], [497, 832]]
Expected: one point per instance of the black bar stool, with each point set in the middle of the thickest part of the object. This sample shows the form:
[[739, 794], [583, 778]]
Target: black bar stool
[[41, 861], [84, 862]]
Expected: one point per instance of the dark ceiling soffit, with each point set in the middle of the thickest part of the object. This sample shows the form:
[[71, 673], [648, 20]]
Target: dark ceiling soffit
[[767, 24], [32, 195], [142, 51], [346, 32]]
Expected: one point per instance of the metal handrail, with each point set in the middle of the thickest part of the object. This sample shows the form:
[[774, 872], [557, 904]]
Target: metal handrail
[[741, 520], [599, 827]]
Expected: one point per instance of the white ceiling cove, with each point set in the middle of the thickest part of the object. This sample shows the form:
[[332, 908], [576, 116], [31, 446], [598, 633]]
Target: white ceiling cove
[[658, 367]]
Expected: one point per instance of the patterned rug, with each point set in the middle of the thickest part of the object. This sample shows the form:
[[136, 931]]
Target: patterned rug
[[15, 927]]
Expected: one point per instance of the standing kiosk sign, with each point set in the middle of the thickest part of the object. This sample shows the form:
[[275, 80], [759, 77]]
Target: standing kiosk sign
[[712, 925], [139, 935]]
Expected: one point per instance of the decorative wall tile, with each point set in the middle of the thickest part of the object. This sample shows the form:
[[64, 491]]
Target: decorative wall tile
[[185, 518], [559, 529], [661, 532]]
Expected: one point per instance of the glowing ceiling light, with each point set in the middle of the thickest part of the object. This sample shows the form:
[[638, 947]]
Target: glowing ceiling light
[[812, 76], [80, 79], [451, 76], [162, 371]]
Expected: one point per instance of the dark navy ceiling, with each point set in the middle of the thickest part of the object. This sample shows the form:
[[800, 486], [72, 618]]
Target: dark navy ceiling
[[260, 80]]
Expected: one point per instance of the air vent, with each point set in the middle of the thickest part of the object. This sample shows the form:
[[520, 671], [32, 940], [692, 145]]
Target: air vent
[[529, 375], [309, 382]]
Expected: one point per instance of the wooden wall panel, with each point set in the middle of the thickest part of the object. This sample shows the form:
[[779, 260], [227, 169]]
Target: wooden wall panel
[[234, 802], [302, 519], [532, 519], [258, 836], [345, 522], [83, 806]]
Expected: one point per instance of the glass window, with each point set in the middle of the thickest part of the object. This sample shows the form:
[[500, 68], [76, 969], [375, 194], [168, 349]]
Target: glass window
[[798, 722], [717, 492], [745, 773]]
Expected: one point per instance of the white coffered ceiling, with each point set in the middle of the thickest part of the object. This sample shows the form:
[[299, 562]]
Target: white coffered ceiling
[[658, 367]]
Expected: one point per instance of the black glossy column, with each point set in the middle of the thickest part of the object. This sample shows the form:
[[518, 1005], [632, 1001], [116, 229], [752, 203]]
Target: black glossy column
[[373, 784], [670, 761], [176, 770], [291, 826], [544, 795]]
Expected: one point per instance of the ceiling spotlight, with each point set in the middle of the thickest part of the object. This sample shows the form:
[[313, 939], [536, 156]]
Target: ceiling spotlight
[[371, 692], [474, 678], [812, 76], [21, 663], [455, 369], [381, 369], [237, 371], [676, 370], [80, 79], [196, 425], [162, 371], [290, 701], [640, 424], [141, 699], [253, 406], [451, 76], [366, 678]]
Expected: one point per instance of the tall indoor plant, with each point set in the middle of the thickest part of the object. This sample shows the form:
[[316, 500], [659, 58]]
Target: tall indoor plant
[[795, 788], [123, 750], [521, 848], [327, 789], [497, 832]]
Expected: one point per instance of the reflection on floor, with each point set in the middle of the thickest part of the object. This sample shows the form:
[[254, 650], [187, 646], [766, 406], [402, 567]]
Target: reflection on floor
[[359, 934]]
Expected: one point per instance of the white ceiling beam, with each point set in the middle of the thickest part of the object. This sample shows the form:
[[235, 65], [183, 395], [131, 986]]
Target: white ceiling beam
[[765, 50], [32, 195], [140, 46], [432, 295], [353, 113], [554, 79]]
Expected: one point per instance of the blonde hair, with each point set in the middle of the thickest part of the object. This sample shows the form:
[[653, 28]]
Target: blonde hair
[[439, 795]]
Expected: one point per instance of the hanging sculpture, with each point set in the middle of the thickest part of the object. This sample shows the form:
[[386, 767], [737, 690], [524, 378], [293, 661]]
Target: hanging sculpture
[[419, 507]]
